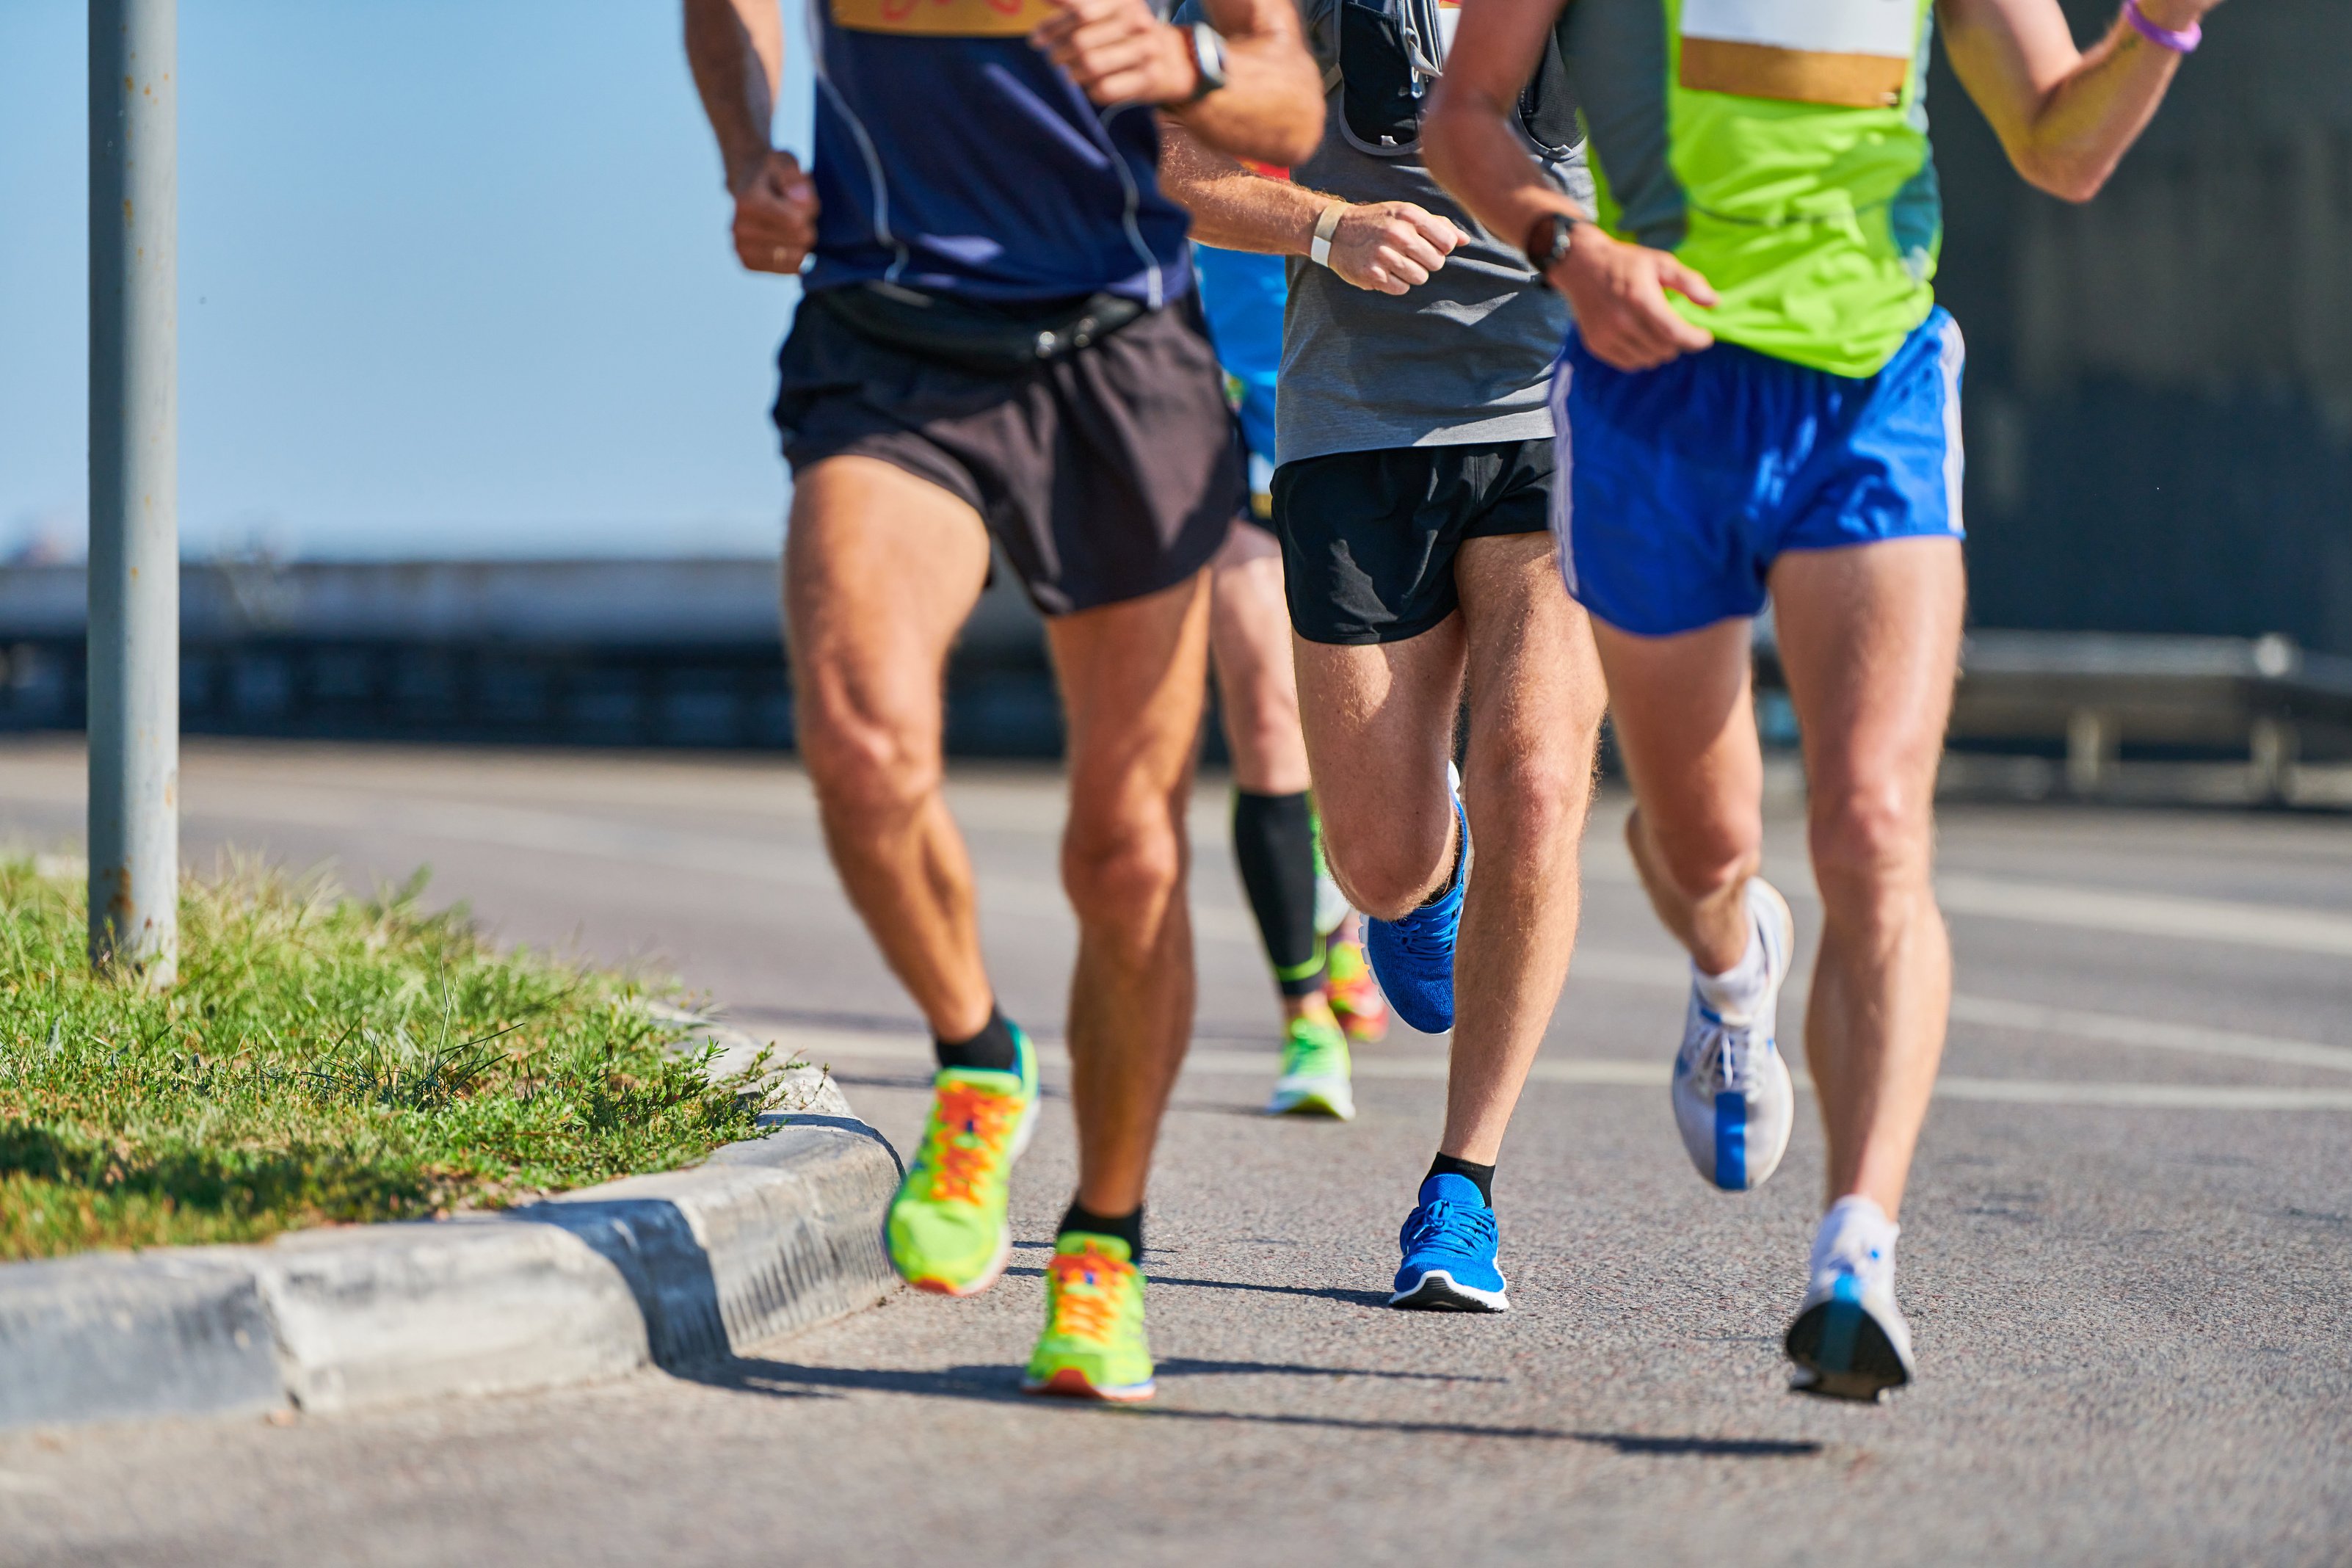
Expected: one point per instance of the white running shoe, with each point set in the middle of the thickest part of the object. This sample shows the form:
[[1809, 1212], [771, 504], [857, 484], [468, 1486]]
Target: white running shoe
[[1849, 1340], [1733, 1097]]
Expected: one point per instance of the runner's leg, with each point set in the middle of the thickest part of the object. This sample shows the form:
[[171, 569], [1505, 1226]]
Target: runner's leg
[[1870, 638], [1133, 677], [1249, 640], [1274, 822], [1379, 722], [1536, 702], [1684, 716], [880, 570]]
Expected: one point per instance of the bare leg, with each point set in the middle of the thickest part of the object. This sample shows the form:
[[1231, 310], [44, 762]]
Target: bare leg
[[1380, 726], [1249, 648], [880, 570], [1869, 637], [1686, 728], [1249, 642], [1536, 702], [1133, 677]]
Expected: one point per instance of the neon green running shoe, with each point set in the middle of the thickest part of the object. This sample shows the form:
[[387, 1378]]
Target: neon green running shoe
[[1314, 1080], [947, 1231], [1092, 1346]]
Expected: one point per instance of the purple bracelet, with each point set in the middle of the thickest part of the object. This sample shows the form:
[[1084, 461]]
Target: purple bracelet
[[2181, 43]]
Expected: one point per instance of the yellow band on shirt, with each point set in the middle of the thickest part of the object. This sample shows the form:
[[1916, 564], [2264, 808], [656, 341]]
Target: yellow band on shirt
[[943, 18]]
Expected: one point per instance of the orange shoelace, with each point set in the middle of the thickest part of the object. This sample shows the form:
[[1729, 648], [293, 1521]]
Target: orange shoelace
[[1086, 1287], [972, 1124]]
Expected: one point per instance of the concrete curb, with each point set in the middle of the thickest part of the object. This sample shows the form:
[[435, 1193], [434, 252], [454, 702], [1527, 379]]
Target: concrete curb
[[678, 1270]]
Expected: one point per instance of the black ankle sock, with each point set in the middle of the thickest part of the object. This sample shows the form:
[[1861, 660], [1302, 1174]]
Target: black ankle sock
[[993, 1048], [1447, 1165], [1274, 842], [1129, 1228]]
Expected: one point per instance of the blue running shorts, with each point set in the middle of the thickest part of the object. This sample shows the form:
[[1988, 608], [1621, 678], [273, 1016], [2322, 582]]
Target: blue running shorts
[[1679, 487]]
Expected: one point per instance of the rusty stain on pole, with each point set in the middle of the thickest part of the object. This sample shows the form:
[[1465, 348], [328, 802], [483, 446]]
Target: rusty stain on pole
[[135, 546]]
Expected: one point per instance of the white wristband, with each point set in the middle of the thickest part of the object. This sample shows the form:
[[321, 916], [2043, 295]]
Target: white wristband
[[1325, 227]]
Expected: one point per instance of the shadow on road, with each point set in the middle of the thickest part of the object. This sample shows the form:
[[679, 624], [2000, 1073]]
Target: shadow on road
[[998, 1384], [1321, 1292]]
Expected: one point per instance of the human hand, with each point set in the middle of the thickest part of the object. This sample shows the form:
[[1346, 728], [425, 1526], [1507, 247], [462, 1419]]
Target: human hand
[[1620, 294], [1119, 51], [1391, 246], [775, 215]]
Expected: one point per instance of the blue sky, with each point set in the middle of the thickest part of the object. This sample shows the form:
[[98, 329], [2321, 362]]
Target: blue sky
[[454, 280]]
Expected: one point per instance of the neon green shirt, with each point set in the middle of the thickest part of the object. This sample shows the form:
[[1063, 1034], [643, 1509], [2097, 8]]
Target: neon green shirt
[[1781, 148]]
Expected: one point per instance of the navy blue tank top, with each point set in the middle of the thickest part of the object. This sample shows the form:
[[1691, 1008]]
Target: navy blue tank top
[[954, 158]]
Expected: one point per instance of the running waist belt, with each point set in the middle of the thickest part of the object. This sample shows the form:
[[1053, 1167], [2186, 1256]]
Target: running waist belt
[[999, 341]]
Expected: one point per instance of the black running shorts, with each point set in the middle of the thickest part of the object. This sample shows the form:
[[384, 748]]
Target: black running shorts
[[1369, 538], [1107, 474]]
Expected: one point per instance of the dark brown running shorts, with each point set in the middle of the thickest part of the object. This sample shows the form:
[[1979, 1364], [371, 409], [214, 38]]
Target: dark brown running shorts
[[1107, 474]]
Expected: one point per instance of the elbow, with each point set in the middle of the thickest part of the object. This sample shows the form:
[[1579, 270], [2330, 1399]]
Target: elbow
[[2069, 179], [1300, 141]]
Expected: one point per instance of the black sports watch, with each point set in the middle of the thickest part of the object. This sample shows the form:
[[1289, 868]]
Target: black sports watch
[[1209, 58], [1550, 239]]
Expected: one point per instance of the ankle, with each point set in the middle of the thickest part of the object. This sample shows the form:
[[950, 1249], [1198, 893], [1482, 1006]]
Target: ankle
[[1469, 1170], [1128, 1228]]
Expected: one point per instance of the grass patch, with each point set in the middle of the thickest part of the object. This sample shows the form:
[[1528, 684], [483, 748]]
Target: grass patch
[[322, 1058]]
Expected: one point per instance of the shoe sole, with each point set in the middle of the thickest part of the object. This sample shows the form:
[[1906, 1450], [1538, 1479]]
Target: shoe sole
[[934, 1286], [1436, 1292], [1326, 1097], [1843, 1353], [1071, 1383]]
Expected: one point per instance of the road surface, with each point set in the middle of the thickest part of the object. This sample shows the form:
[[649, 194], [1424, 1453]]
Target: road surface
[[2126, 1256]]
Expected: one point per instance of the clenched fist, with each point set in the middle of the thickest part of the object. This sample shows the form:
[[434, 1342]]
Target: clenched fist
[[1391, 246], [775, 215], [1119, 51]]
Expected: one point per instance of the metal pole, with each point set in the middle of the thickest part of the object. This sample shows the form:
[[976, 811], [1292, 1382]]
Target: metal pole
[[135, 548]]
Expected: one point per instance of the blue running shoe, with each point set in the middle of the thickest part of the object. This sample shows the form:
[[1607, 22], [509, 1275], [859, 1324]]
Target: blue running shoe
[[1449, 1252], [1414, 958]]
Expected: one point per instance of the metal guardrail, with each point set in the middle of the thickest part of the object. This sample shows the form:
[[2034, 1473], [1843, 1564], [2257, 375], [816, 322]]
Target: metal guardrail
[[685, 653]]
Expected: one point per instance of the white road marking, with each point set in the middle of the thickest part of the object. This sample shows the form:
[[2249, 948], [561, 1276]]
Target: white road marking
[[823, 1045], [807, 869], [2148, 914]]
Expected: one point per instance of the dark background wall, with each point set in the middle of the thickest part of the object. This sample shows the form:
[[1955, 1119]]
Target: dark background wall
[[2160, 384]]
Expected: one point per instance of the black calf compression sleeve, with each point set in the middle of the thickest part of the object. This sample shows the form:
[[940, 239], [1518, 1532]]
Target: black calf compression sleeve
[[1274, 839]]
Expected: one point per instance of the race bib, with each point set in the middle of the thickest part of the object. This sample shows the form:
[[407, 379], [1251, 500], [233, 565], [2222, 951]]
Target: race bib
[[942, 18], [1848, 54]]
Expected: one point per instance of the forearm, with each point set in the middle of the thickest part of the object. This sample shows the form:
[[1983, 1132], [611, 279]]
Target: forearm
[[735, 50], [2065, 116], [1271, 107], [1475, 155], [2091, 119], [1232, 206]]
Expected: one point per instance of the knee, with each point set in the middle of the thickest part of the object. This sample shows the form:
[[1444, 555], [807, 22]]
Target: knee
[[1872, 850], [1527, 805], [1386, 873], [1699, 859], [1122, 871], [867, 769]]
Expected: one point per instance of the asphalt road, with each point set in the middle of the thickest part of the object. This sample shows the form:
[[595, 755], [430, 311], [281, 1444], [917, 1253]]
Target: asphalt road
[[2127, 1255]]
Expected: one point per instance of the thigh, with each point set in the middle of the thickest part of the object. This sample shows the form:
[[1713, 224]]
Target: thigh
[[1249, 644], [1535, 685], [1683, 712], [1870, 638], [1379, 722], [1133, 677], [880, 570]]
